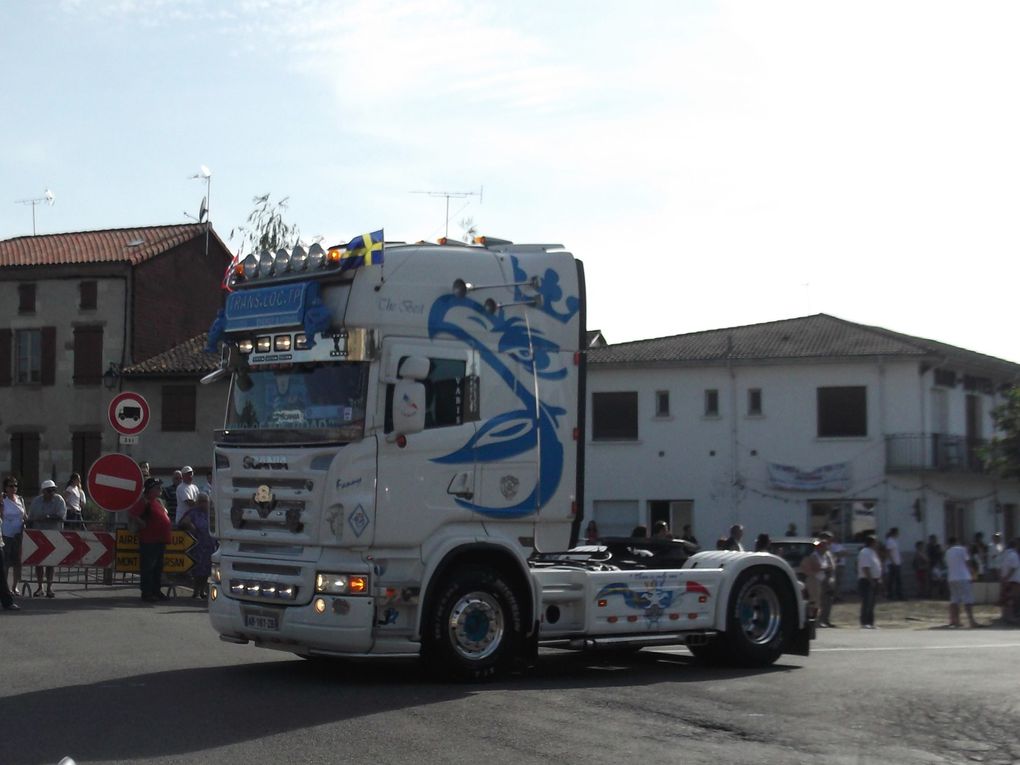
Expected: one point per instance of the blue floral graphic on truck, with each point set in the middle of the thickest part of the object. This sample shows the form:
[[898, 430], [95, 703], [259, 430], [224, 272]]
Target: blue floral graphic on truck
[[519, 353]]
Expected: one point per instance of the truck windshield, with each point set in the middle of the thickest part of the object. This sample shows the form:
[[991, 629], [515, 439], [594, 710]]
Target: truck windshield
[[303, 403]]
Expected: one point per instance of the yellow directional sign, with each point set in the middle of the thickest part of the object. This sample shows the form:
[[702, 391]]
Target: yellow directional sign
[[175, 560]]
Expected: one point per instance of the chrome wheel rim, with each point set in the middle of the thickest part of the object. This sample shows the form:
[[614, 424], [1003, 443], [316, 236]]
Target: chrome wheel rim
[[476, 625], [760, 616]]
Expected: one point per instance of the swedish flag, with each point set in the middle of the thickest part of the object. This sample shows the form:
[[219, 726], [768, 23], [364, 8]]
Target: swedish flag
[[364, 250]]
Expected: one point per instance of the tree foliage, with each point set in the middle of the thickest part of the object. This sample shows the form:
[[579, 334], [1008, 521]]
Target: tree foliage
[[1004, 450], [265, 228]]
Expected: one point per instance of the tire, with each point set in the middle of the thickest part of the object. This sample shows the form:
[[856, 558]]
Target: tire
[[473, 629], [761, 614]]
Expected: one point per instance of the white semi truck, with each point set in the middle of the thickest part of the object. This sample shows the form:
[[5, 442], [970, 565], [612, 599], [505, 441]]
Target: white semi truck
[[400, 473]]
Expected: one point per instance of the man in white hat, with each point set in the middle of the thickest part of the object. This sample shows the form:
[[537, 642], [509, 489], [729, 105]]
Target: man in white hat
[[47, 512], [187, 493]]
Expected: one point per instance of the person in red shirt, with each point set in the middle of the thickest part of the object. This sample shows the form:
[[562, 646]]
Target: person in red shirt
[[153, 537]]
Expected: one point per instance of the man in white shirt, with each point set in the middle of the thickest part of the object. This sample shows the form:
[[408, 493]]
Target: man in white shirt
[[1009, 570], [187, 493], [894, 584], [869, 577], [959, 573]]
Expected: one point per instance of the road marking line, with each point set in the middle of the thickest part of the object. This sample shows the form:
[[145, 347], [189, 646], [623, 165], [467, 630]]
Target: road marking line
[[919, 647], [103, 479]]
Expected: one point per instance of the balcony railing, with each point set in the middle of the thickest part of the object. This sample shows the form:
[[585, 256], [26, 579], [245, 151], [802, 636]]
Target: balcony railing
[[916, 452]]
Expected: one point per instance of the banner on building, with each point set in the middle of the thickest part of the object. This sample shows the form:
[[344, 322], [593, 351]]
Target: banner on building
[[834, 477]]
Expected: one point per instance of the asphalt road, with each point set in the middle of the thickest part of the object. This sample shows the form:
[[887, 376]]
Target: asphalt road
[[98, 676]]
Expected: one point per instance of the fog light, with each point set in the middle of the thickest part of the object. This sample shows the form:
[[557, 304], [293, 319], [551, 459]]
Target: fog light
[[300, 341], [214, 592], [264, 344], [281, 343], [215, 573], [320, 605], [245, 346], [287, 593]]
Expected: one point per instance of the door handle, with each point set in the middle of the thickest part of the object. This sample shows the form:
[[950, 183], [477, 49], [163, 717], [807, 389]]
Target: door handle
[[462, 485]]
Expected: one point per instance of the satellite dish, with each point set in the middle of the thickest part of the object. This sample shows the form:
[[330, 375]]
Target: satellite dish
[[49, 196], [203, 210]]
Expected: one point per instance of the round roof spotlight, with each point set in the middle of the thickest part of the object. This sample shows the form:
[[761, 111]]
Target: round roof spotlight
[[316, 256], [250, 265], [298, 258], [282, 262], [265, 263]]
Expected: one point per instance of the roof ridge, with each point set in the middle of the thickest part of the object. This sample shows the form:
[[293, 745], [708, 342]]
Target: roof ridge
[[720, 329], [101, 231]]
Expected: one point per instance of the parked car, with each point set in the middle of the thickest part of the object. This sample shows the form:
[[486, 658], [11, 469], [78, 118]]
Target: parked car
[[793, 550]]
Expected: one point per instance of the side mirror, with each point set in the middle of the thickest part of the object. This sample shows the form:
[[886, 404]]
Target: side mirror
[[408, 407]]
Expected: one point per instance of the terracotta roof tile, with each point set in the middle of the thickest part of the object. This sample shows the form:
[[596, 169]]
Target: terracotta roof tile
[[128, 245]]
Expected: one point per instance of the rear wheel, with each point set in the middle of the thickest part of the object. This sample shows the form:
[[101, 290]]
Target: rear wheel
[[473, 629], [761, 614]]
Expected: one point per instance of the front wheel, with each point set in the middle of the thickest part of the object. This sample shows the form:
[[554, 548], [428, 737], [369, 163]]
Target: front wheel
[[761, 614], [473, 629]]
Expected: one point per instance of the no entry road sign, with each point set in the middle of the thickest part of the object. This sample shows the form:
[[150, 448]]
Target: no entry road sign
[[115, 482], [129, 413]]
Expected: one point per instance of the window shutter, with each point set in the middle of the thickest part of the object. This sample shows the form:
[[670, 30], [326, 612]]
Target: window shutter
[[49, 355], [26, 298], [89, 296], [6, 339], [178, 408], [88, 355]]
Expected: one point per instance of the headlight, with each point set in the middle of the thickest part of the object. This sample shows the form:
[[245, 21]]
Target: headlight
[[341, 584], [215, 573]]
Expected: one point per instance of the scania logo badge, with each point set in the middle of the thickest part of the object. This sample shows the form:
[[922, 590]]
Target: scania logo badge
[[264, 462]]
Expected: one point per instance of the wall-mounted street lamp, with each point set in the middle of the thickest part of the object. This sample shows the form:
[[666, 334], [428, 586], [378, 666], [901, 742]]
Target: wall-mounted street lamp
[[110, 376]]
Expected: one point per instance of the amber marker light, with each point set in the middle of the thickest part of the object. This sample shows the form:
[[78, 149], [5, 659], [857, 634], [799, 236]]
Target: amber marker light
[[357, 584]]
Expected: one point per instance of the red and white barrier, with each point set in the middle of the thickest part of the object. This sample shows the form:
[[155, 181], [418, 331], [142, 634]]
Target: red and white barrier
[[95, 549]]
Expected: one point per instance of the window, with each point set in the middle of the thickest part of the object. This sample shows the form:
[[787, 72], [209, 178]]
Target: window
[[444, 393], [615, 416], [662, 403], [848, 519], [754, 401], [451, 396], [28, 357], [87, 296], [178, 408], [88, 355], [842, 412], [711, 403], [26, 298]]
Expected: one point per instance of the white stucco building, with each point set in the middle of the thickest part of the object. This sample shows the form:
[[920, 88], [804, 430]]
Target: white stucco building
[[814, 421]]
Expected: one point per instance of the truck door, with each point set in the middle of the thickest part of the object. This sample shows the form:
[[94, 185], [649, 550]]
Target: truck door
[[430, 480]]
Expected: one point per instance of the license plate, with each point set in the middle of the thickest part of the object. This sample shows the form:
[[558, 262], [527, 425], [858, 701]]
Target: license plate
[[262, 622]]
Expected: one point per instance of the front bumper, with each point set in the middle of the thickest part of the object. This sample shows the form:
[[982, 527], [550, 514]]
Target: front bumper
[[345, 625]]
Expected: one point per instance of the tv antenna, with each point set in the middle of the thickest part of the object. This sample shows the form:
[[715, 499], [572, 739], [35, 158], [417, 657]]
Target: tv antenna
[[48, 197], [452, 195], [204, 174]]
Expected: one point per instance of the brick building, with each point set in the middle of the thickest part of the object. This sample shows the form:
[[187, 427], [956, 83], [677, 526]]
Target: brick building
[[75, 309]]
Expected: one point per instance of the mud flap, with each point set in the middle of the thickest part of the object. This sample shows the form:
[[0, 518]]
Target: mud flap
[[800, 642]]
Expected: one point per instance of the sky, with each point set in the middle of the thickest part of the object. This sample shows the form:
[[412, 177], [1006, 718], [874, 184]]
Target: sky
[[713, 163]]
